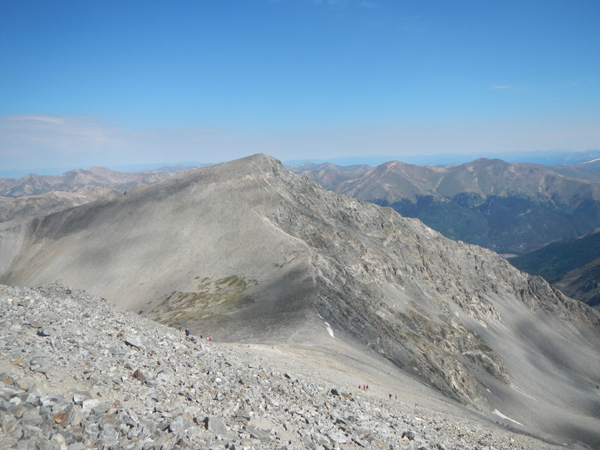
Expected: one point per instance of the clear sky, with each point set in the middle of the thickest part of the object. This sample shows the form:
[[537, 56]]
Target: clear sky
[[105, 82]]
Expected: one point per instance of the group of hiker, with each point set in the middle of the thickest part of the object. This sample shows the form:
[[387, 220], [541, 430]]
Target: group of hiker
[[364, 387], [189, 333]]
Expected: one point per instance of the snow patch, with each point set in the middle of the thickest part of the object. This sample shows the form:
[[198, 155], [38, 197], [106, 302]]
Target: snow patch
[[329, 330], [592, 161], [498, 413]]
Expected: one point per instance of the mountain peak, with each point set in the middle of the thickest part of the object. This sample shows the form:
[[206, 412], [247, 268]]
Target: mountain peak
[[259, 159], [254, 164]]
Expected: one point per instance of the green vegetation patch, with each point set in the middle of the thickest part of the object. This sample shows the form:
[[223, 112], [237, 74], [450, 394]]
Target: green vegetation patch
[[211, 298]]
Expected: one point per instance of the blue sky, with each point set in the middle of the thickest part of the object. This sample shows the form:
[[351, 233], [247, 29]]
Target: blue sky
[[110, 83]]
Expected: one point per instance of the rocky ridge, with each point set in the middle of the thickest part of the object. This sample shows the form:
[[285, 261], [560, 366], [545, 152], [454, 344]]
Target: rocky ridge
[[79, 372], [452, 280]]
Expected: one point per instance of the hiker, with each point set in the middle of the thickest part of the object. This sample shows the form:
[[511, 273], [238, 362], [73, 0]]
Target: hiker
[[187, 332]]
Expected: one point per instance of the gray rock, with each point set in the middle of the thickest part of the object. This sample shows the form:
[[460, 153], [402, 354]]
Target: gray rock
[[50, 399], [19, 409], [76, 446], [180, 425], [32, 417], [80, 396], [108, 433], [33, 399], [163, 377], [39, 359], [215, 425], [257, 433], [63, 413], [410, 435], [140, 375], [101, 408], [9, 423], [134, 341]]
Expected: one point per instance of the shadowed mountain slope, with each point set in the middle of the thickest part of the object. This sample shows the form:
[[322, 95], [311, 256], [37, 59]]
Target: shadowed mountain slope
[[509, 208], [583, 283], [247, 251], [573, 266]]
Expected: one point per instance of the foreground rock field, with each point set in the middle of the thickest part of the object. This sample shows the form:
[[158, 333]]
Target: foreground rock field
[[78, 372]]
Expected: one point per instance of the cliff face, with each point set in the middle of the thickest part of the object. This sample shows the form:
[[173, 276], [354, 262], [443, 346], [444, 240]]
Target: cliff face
[[247, 251]]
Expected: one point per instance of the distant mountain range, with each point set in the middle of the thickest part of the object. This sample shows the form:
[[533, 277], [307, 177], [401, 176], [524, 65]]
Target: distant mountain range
[[589, 170], [330, 175], [82, 179], [444, 159], [507, 207], [41, 205], [128, 168], [40, 195]]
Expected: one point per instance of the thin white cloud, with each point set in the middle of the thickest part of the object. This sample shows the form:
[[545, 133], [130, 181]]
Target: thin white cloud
[[86, 141], [501, 86], [49, 119], [41, 141]]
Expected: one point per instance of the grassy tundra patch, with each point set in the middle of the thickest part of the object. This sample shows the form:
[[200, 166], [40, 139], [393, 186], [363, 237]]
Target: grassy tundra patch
[[211, 298]]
